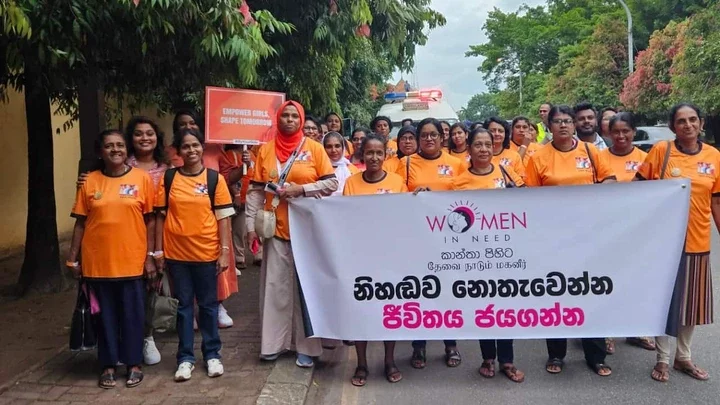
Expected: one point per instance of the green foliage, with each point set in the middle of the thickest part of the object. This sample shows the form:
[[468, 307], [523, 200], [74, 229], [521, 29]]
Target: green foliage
[[480, 107]]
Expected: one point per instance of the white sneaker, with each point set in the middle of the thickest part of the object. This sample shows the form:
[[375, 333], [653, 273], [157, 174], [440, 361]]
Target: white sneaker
[[184, 371], [151, 355], [224, 320], [215, 368]]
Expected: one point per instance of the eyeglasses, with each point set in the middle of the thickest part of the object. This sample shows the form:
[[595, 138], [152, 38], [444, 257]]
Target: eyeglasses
[[312, 129], [566, 121], [406, 138], [432, 135]]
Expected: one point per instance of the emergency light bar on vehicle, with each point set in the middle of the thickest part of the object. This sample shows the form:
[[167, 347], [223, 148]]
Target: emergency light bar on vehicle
[[422, 94]]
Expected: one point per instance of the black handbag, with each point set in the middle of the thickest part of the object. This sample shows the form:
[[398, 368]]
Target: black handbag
[[83, 333]]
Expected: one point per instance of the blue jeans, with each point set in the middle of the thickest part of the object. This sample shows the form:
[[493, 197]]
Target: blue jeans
[[191, 282]]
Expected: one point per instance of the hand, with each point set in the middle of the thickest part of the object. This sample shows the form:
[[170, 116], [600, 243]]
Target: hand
[[246, 158], [223, 261], [291, 191], [76, 270], [160, 264], [528, 139], [252, 237], [421, 189], [390, 153], [82, 178], [150, 269]]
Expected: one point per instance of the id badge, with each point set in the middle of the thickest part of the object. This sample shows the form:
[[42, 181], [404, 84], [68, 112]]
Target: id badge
[[271, 188]]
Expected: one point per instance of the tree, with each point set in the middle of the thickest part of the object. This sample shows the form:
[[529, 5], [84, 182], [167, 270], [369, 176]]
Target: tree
[[479, 107], [146, 51]]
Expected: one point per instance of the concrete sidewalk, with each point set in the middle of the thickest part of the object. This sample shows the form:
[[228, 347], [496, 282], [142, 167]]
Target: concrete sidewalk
[[72, 377]]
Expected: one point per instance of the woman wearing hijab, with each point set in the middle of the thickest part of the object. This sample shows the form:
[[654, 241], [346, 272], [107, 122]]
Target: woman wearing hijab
[[286, 167], [334, 145]]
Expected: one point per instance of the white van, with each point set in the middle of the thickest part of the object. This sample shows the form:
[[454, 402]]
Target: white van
[[416, 105]]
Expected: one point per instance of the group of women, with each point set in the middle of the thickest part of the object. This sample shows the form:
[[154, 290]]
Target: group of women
[[497, 154], [299, 163]]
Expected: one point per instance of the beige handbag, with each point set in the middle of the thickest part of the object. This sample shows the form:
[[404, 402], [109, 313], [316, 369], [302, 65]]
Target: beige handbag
[[266, 221]]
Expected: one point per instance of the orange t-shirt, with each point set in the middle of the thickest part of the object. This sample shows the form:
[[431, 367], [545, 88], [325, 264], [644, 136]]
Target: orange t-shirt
[[311, 165], [551, 167], [392, 148], [437, 174], [391, 183], [231, 160], [703, 170], [191, 228], [463, 156], [115, 240], [531, 149], [510, 158], [495, 179], [391, 165], [625, 166]]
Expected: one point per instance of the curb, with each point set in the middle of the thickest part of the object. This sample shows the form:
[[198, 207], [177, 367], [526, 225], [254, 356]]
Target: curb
[[287, 384]]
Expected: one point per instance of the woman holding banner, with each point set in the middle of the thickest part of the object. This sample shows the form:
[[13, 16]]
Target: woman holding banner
[[374, 180], [567, 161], [690, 158], [431, 169], [286, 167], [483, 174]]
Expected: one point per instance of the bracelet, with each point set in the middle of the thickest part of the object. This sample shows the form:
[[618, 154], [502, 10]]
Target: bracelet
[[158, 254], [75, 264], [523, 146], [224, 247], [151, 253]]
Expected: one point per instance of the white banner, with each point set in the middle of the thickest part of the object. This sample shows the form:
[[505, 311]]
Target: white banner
[[583, 261]]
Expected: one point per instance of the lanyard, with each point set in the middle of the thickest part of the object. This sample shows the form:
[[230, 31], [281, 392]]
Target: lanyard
[[285, 172]]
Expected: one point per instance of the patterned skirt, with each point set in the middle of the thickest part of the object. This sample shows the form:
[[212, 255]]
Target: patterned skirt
[[694, 286]]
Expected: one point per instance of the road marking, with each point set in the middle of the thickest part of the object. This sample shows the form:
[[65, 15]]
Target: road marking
[[349, 391]]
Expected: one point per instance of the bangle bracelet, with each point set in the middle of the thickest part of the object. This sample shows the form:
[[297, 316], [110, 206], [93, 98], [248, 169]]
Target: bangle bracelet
[[224, 247], [158, 254], [68, 263]]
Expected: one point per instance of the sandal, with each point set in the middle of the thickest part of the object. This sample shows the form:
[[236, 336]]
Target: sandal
[[661, 372], [134, 378], [487, 369], [359, 379], [609, 345], [692, 370], [644, 342], [598, 368], [452, 358], [554, 366], [418, 359], [107, 379], [392, 373], [513, 373]]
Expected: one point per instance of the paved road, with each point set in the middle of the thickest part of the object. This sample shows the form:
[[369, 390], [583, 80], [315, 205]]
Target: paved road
[[437, 384]]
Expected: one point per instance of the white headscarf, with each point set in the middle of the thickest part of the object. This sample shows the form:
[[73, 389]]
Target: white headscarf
[[342, 172]]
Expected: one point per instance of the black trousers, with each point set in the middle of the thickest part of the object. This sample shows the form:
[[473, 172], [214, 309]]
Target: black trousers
[[120, 321], [420, 344], [501, 349], [594, 349]]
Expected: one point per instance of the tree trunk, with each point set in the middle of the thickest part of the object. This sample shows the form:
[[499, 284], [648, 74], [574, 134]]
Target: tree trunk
[[41, 269]]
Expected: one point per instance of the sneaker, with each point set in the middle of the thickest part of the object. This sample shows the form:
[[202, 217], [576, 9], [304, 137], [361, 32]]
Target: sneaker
[[215, 368], [238, 272], [304, 361], [184, 371], [224, 320], [151, 355]]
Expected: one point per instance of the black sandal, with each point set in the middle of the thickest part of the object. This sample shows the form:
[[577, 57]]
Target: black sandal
[[601, 366], [418, 359], [392, 373], [359, 379], [554, 363], [134, 378], [452, 358], [107, 380]]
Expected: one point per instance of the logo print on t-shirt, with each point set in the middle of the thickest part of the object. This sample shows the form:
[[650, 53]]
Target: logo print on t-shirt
[[201, 189], [499, 183], [128, 190], [303, 156], [504, 162], [706, 168], [632, 166], [383, 191], [445, 170], [582, 163]]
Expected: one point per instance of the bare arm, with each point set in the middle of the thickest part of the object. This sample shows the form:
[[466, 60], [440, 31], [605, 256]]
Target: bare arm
[[158, 245], [78, 233], [150, 268], [715, 207], [225, 244]]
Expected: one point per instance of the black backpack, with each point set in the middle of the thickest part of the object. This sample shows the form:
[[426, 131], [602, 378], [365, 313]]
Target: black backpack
[[212, 179]]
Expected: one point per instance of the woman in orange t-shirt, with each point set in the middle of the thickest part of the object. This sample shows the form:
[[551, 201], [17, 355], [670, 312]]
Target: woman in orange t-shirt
[[522, 139], [374, 180], [458, 142], [407, 145], [194, 235], [567, 161], [115, 229], [310, 173], [431, 169], [334, 145], [382, 126], [502, 154], [356, 139], [690, 158]]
